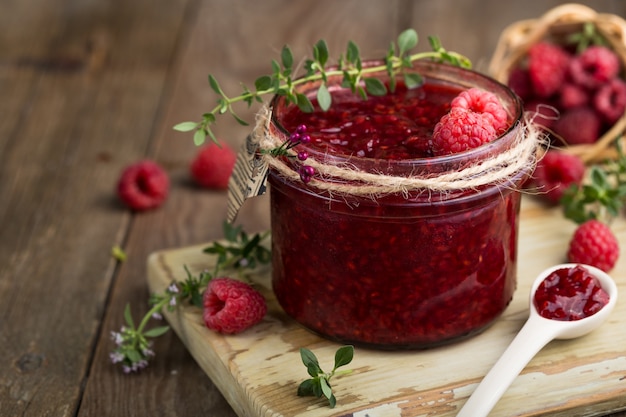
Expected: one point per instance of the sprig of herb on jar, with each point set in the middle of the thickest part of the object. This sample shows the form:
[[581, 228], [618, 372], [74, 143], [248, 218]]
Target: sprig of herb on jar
[[283, 80], [239, 253]]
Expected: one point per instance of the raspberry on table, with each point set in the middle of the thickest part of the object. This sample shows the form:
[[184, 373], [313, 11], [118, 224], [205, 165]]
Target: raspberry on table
[[232, 306], [213, 165], [578, 126], [594, 66], [547, 68], [555, 172], [461, 130], [610, 100], [594, 244], [143, 185], [481, 101]]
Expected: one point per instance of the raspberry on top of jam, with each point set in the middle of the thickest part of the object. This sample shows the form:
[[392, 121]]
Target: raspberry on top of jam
[[569, 294]]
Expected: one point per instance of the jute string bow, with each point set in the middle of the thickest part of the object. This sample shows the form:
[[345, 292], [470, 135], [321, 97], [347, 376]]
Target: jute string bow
[[345, 178]]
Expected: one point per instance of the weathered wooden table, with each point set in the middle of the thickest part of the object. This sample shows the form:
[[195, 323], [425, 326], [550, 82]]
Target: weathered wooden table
[[90, 86]]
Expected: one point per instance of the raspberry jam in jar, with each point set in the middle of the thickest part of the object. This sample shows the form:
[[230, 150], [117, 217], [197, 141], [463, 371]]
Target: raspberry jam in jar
[[363, 255], [569, 294]]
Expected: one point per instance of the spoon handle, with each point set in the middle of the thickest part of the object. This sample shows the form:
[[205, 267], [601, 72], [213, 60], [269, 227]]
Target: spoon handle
[[526, 344]]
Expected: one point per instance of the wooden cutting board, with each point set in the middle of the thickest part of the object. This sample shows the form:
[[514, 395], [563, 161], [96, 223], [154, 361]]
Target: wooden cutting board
[[258, 371]]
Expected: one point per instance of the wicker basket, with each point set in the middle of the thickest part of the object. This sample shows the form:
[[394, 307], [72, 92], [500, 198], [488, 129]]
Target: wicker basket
[[556, 25]]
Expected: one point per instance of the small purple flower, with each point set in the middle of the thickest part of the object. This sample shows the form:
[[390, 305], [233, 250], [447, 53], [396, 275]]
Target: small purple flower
[[157, 316], [117, 338], [116, 357], [173, 288]]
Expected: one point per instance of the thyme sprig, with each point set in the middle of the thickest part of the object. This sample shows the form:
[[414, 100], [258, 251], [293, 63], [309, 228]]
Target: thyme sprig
[[133, 347], [283, 80], [319, 383]]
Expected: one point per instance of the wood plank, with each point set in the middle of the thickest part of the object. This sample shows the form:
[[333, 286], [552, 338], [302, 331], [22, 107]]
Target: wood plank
[[83, 83], [259, 370]]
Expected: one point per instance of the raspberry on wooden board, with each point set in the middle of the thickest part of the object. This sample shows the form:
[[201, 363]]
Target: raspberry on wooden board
[[232, 306]]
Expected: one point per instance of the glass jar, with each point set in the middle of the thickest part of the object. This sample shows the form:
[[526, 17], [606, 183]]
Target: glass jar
[[413, 268]]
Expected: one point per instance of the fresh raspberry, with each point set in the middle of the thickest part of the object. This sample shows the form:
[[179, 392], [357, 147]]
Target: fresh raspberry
[[555, 172], [460, 130], [572, 95], [481, 101], [594, 66], [143, 185], [594, 244], [519, 82], [232, 306], [547, 67], [610, 100], [580, 125], [212, 166]]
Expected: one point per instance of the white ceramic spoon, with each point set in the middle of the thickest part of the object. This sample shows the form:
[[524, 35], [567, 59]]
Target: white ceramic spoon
[[533, 336]]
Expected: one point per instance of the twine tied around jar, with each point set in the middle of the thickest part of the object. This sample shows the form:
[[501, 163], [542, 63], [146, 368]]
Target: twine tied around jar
[[345, 178]]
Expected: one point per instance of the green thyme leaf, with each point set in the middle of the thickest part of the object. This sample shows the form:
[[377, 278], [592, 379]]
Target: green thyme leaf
[[320, 52], [407, 41], [305, 389], [186, 126], [326, 390], [375, 87], [287, 57], [308, 357], [263, 83], [352, 53], [413, 80], [215, 85], [304, 103], [128, 317], [344, 356], [199, 137], [324, 98], [240, 120], [157, 331]]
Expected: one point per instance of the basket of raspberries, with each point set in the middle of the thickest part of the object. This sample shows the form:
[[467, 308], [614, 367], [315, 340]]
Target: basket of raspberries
[[568, 67]]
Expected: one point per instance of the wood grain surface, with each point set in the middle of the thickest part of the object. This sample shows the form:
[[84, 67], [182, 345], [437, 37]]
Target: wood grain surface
[[89, 86]]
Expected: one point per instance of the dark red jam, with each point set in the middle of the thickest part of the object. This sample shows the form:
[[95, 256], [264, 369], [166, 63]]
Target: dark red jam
[[398, 271], [393, 126], [569, 294]]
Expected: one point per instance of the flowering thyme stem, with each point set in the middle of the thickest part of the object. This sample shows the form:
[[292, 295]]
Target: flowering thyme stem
[[156, 309], [396, 64], [350, 67]]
